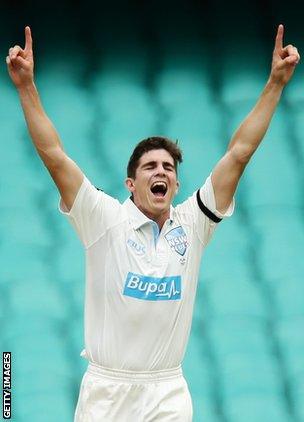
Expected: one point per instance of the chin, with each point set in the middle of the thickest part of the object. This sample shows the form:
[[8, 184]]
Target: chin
[[157, 205], [161, 206]]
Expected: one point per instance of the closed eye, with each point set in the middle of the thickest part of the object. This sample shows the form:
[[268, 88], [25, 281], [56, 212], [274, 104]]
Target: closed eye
[[151, 165]]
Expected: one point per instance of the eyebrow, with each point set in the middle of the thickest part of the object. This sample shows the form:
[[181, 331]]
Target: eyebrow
[[154, 163]]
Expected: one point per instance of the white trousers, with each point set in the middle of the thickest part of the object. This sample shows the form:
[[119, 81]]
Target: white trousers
[[125, 396]]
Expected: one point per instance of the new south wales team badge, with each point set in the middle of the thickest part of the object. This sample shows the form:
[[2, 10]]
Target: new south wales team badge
[[177, 240]]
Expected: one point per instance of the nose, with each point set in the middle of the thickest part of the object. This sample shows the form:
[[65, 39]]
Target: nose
[[160, 170]]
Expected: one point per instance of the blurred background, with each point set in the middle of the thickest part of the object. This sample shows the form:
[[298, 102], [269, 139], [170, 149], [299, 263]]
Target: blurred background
[[110, 75]]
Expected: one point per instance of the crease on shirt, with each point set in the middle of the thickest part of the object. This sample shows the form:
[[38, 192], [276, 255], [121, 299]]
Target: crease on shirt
[[104, 233]]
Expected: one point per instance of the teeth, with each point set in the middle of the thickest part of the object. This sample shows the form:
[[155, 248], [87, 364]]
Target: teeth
[[159, 184]]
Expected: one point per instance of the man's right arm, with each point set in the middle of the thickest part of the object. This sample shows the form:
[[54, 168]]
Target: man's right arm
[[64, 171], [66, 174]]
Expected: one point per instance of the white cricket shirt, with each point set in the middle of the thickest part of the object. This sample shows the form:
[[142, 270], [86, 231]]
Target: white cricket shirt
[[140, 283]]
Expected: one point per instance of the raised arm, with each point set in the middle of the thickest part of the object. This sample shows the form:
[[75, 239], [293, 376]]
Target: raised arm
[[245, 141], [65, 173]]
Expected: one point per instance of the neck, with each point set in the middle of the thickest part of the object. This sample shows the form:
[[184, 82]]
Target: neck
[[160, 221], [158, 218]]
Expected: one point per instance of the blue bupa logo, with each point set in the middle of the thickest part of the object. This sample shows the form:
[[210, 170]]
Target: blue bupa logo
[[153, 288], [177, 240]]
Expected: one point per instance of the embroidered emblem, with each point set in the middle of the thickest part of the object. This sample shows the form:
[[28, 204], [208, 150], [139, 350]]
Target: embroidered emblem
[[177, 240]]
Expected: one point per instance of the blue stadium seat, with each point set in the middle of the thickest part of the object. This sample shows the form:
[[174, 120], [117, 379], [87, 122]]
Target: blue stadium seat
[[293, 92], [287, 332], [288, 295], [183, 82], [278, 244], [51, 406], [269, 219], [70, 263], [202, 124], [35, 232], [76, 339], [46, 378], [247, 373], [205, 409], [230, 335], [257, 407], [19, 262], [239, 298], [277, 260], [197, 369], [297, 392], [241, 86], [243, 80], [229, 247], [72, 114], [39, 297], [298, 127], [265, 189], [43, 331]]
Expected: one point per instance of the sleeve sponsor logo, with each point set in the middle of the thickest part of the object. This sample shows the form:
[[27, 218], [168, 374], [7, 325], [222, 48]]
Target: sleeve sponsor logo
[[177, 240], [153, 288]]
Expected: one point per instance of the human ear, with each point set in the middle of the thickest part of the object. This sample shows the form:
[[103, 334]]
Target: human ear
[[129, 182]]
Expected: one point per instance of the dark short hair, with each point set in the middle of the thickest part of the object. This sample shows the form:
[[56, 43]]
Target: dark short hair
[[148, 144]]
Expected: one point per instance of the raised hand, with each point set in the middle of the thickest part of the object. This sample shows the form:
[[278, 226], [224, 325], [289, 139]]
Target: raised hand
[[284, 59], [20, 62]]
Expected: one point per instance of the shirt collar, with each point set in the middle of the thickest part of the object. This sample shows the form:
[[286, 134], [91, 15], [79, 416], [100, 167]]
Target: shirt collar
[[137, 217]]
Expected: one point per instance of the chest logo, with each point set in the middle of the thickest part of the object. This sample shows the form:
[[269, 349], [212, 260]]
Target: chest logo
[[153, 288], [138, 248], [177, 240]]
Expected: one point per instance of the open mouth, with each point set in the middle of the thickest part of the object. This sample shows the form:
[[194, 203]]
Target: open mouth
[[159, 189]]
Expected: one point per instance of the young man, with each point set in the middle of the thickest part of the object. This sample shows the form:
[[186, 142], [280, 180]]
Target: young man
[[143, 256]]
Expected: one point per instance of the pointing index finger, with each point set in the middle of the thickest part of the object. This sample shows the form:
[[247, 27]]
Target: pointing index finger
[[279, 38], [28, 38]]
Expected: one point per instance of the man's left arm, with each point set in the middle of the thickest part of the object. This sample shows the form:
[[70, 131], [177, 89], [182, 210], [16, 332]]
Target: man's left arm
[[228, 171]]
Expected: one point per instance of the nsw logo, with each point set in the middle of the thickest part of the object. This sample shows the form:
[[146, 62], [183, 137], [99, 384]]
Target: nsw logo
[[153, 288], [177, 240]]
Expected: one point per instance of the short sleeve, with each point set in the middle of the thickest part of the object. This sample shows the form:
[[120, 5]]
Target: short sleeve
[[205, 225], [208, 198], [92, 212]]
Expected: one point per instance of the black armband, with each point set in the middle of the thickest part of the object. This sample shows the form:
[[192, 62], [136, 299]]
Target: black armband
[[205, 210]]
